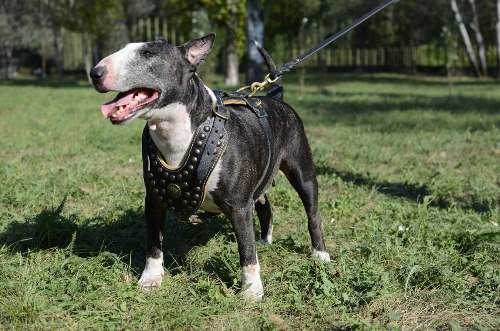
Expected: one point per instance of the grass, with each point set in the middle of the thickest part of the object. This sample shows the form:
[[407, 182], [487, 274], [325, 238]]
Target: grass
[[409, 193]]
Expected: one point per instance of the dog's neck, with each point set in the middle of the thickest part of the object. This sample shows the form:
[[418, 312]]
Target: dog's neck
[[172, 127]]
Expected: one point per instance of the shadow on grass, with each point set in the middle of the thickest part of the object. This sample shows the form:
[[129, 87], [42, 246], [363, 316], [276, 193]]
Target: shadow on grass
[[124, 236], [411, 192], [71, 80], [350, 104], [423, 80]]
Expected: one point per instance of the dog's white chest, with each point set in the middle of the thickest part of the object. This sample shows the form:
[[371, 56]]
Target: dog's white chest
[[171, 130]]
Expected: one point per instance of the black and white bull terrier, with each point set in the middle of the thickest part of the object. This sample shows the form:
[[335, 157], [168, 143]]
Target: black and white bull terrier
[[157, 82]]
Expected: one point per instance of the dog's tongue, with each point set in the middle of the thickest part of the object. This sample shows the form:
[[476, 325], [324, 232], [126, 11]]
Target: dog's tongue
[[122, 99]]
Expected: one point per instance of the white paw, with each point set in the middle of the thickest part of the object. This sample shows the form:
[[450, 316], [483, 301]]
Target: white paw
[[321, 255], [269, 238], [251, 283], [264, 241], [255, 292], [152, 274]]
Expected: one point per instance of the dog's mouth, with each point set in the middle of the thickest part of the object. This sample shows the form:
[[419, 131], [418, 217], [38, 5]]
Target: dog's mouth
[[127, 104]]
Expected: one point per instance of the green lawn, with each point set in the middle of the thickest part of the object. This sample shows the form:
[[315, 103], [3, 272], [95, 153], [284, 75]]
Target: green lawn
[[409, 192]]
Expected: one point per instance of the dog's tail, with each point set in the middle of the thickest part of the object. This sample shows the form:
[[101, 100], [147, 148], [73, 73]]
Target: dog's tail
[[276, 90]]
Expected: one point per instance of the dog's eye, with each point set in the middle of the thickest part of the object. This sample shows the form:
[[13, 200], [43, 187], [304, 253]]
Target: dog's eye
[[147, 53]]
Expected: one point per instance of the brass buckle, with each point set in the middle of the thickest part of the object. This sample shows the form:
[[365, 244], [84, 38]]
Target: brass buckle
[[258, 86]]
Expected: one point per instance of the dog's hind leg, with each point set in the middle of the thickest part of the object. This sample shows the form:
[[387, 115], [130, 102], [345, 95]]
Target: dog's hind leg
[[265, 215], [302, 176], [155, 221]]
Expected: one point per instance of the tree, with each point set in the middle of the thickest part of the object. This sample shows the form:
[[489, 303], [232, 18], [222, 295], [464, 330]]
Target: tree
[[479, 38], [95, 19], [498, 38], [230, 15], [135, 9], [19, 28], [255, 32], [465, 37], [284, 19]]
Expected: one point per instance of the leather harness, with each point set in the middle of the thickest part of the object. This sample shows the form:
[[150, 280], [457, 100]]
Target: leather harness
[[182, 190]]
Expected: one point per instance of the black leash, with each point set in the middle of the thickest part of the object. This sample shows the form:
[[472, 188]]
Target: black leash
[[292, 64]]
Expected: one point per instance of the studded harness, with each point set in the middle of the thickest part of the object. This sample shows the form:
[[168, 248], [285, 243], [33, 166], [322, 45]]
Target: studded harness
[[182, 190]]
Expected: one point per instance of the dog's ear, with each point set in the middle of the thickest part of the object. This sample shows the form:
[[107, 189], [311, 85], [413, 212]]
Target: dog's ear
[[196, 50]]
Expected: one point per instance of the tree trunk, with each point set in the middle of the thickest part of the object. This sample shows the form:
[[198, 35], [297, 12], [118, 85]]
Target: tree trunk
[[87, 55], [232, 78], [255, 31], [465, 37], [43, 41], [58, 53], [498, 39], [479, 39], [8, 59]]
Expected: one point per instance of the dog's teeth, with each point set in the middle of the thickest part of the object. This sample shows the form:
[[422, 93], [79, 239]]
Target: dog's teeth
[[140, 96], [121, 109]]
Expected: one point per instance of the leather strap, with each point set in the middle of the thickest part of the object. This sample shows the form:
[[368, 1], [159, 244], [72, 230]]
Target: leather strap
[[255, 104]]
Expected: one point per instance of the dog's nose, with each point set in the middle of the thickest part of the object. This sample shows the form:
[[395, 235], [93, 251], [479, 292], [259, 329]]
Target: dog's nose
[[97, 73]]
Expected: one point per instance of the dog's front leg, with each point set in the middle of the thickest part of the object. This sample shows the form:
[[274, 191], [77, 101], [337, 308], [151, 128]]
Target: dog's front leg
[[242, 222], [155, 214]]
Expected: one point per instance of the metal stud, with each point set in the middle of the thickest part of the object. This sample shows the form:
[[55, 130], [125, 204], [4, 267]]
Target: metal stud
[[171, 178], [186, 194], [172, 208], [219, 143], [184, 202], [162, 181], [159, 169], [152, 182], [155, 163], [156, 191], [174, 191], [150, 175], [179, 177], [206, 128], [199, 143], [196, 197], [193, 203], [197, 151], [190, 168], [162, 191], [184, 184], [197, 189], [185, 173], [203, 136], [221, 135], [194, 159]]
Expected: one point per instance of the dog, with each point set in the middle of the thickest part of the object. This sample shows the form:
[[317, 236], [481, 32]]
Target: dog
[[252, 139]]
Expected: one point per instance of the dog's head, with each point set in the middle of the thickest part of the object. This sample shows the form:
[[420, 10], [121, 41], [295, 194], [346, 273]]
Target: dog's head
[[147, 76]]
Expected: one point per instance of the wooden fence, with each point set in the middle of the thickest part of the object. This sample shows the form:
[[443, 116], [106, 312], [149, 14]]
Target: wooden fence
[[385, 58]]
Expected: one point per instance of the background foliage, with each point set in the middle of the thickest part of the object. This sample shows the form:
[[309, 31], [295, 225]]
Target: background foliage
[[105, 26]]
